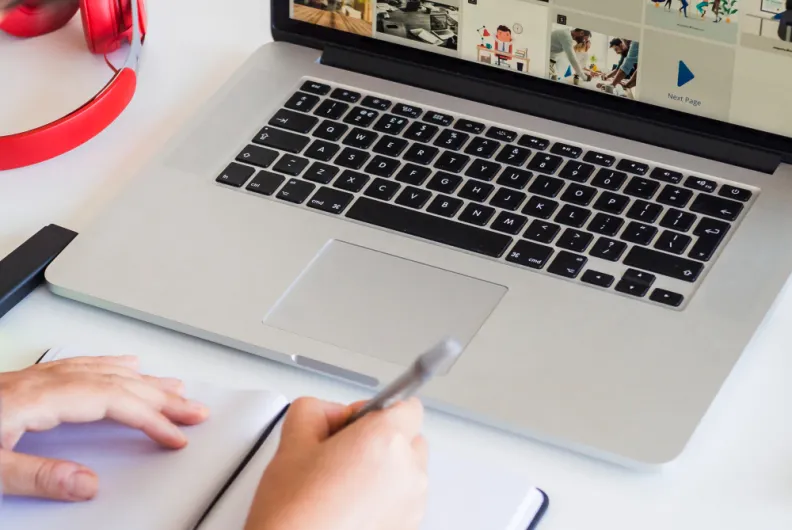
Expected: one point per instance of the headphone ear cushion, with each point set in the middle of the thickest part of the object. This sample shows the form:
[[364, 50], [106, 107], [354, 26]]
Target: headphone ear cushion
[[108, 23], [32, 19]]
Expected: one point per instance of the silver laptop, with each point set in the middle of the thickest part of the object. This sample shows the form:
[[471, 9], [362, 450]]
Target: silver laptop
[[349, 198]]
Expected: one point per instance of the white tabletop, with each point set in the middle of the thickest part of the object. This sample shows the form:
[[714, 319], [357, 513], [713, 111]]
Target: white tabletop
[[735, 474]]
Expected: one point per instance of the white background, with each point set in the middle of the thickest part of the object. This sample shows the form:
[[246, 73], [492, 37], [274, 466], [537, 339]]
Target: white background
[[736, 473]]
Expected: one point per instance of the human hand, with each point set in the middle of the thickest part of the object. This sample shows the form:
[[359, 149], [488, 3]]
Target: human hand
[[81, 390], [371, 474]]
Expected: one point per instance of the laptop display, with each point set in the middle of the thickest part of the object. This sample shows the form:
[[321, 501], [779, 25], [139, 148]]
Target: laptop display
[[728, 60]]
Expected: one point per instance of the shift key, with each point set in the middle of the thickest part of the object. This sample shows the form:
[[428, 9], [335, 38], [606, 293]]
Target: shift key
[[661, 263], [283, 140]]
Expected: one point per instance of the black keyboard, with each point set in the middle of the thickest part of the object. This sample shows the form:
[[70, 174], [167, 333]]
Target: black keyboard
[[542, 204]]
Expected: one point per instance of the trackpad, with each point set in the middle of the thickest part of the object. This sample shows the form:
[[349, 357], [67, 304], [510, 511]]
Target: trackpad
[[381, 305]]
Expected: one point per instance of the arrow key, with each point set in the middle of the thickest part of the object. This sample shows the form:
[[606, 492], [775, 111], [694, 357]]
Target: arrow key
[[716, 207], [666, 297]]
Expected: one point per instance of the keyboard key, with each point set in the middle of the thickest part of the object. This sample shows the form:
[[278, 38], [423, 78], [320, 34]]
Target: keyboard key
[[600, 279], [382, 189], [663, 264], [266, 183], [572, 216], [532, 142], [639, 233], [291, 165], [611, 202], [410, 111], [444, 182], [666, 297], [330, 200], [444, 120], [437, 229], [421, 132], [716, 207], [547, 186], [382, 166], [450, 139], [421, 154], [451, 161], [321, 150], [672, 242], [579, 194], [235, 175], [513, 155], [710, 233], [606, 224], [678, 220], [330, 130], [631, 287], [413, 197], [322, 173], [352, 158], [567, 264], [360, 138], [738, 194], [468, 126], [542, 231], [412, 174], [293, 121], [647, 212], [483, 169], [283, 140], [302, 101], [530, 254], [376, 103], [609, 179], [514, 178], [362, 117], [504, 135], [702, 184], [574, 240], [508, 199], [639, 277], [674, 196], [296, 191], [577, 171], [570, 151], [666, 175], [351, 181], [544, 163], [345, 95], [315, 88], [482, 147], [631, 166], [608, 249], [476, 191], [444, 205], [258, 156], [476, 214], [508, 222], [331, 109], [601, 159], [390, 146], [540, 207], [391, 124], [641, 187]]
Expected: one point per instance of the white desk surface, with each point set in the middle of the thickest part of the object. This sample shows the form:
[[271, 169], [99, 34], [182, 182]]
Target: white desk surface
[[736, 473]]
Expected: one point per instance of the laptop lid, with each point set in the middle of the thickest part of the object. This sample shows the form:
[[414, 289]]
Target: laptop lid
[[705, 77]]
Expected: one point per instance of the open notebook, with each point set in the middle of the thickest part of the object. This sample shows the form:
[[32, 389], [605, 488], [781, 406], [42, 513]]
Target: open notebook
[[210, 484]]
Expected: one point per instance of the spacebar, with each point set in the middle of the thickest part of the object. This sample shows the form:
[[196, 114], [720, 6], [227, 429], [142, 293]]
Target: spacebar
[[429, 227]]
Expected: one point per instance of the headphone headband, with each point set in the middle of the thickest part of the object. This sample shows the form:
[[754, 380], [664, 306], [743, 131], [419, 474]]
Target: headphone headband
[[63, 135]]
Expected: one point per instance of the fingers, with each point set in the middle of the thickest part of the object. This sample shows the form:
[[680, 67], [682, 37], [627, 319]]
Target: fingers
[[125, 407], [311, 420], [31, 476], [130, 361]]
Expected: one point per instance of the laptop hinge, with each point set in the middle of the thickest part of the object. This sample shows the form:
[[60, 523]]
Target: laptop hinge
[[553, 108]]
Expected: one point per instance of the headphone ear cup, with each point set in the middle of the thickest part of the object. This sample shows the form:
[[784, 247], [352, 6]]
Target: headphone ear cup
[[108, 23], [32, 19]]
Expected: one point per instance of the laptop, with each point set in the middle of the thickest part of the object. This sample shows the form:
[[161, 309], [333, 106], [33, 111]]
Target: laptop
[[347, 199], [439, 25]]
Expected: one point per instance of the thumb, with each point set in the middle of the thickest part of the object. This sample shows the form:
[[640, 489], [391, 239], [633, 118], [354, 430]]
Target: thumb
[[33, 476]]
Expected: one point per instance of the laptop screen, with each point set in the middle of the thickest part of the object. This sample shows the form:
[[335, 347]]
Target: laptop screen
[[730, 60]]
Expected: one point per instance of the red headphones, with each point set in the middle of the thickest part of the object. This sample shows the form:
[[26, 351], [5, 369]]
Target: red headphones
[[107, 24]]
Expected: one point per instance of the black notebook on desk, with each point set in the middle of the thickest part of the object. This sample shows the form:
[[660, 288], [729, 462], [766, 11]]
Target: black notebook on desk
[[210, 484]]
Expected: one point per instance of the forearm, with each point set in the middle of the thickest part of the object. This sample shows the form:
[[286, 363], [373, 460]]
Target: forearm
[[618, 77]]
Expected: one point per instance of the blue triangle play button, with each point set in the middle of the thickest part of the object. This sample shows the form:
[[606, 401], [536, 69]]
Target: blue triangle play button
[[685, 76]]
